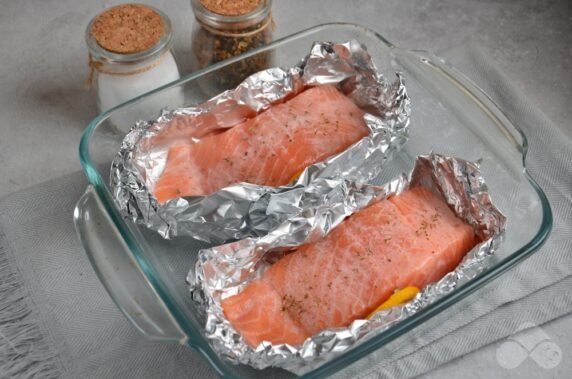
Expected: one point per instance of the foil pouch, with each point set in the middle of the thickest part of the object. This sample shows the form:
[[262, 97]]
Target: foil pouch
[[244, 210], [226, 270]]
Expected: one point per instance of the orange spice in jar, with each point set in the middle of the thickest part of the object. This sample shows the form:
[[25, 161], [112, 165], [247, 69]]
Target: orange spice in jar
[[128, 29], [225, 29], [130, 54]]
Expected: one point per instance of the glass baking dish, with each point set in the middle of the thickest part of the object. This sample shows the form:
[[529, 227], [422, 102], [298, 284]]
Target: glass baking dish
[[145, 275]]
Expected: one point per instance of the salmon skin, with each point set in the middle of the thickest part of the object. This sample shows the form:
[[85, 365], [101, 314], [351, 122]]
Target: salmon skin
[[269, 149], [411, 239]]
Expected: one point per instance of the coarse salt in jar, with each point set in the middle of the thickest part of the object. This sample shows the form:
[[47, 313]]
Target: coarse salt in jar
[[225, 29], [130, 54]]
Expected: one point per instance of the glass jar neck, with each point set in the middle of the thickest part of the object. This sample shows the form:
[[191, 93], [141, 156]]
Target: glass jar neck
[[252, 20], [107, 58], [130, 68]]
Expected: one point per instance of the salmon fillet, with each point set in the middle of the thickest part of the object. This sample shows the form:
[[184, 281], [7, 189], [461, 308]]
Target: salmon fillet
[[408, 240], [269, 149]]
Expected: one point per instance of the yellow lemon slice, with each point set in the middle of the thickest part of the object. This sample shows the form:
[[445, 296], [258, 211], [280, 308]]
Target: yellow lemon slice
[[399, 297], [295, 176]]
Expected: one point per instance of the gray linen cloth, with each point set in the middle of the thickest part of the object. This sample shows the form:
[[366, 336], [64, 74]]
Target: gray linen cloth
[[56, 320]]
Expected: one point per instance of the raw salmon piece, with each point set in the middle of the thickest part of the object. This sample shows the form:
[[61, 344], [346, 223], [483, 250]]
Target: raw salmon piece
[[408, 240], [258, 311], [433, 221], [270, 148], [184, 128], [170, 185]]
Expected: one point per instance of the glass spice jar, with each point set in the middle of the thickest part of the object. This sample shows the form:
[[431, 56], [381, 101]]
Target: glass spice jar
[[130, 54], [225, 29]]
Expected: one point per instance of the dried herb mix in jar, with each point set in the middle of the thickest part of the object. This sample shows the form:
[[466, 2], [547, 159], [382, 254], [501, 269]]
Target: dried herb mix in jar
[[225, 29]]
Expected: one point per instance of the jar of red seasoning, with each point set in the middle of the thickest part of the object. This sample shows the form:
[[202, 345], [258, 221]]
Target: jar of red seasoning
[[130, 54], [225, 29]]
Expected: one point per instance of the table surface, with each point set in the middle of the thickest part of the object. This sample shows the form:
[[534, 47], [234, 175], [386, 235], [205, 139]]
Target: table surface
[[44, 107]]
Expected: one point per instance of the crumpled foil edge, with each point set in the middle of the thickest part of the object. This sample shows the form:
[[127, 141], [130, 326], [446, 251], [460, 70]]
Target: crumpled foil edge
[[247, 210], [225, 270]]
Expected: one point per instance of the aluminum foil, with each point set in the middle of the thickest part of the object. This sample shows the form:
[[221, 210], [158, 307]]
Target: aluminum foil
[[244, 210], [226, 270]]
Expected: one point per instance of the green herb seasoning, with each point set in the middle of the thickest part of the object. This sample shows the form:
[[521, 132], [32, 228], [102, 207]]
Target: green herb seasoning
[[225, 29]]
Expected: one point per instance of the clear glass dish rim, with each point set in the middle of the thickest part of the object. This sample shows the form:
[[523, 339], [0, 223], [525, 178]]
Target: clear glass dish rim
[[328, 368]]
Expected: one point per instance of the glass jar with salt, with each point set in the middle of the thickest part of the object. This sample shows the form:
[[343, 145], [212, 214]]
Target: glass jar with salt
[[225, 29], [130, 54]]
